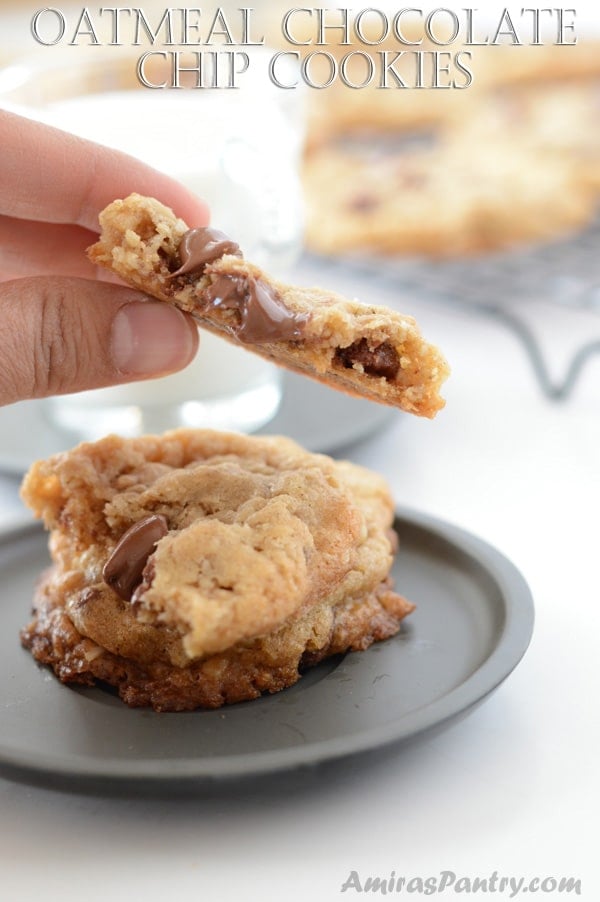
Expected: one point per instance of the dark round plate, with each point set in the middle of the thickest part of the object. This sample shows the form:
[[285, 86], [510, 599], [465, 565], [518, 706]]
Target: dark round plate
[[472, 624]]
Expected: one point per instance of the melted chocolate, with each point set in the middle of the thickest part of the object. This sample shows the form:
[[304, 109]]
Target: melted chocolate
[[263, 316], [201, 246], [123, 570]]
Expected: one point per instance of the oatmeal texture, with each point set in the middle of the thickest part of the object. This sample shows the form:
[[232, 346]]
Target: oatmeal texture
[[140, 242], [256, 560]]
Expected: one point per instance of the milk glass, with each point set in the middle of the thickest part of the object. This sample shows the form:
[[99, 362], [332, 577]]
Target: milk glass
[[237, 149]]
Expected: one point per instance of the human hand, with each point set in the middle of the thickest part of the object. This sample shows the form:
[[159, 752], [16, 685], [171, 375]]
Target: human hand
[[63, 329]]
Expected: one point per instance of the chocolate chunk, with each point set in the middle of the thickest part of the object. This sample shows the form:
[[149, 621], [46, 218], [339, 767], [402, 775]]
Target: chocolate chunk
[[263, 316], [201, 246], [148, 575], [380, 361], [363, 203], [124, 568]]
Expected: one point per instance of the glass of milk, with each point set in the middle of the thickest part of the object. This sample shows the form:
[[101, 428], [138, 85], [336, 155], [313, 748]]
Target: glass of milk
[[237, 149]]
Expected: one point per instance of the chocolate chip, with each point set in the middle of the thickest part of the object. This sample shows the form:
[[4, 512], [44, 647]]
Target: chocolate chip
[[363, 203], [262, 314], [382, 360], [124, 568], [142, 587], [198, 247]]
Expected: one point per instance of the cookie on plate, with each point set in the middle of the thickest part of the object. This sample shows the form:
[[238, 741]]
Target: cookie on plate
[[369, 351], [201, 568]]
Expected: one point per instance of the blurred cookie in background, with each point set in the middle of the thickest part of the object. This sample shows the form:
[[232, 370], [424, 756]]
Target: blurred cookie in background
[[513, 159]]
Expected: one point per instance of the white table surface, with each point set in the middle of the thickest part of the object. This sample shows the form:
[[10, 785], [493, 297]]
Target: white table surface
[[514, 788]]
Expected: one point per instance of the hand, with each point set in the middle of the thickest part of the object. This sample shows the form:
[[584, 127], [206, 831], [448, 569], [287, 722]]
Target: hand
[[63, 329]]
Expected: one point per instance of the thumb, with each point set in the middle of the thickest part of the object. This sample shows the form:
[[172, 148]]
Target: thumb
[[60, 335]]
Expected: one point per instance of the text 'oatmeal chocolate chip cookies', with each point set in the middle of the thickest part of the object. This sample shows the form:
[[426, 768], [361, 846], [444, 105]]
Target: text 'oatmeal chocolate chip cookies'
[[369, 351], [199, 568]]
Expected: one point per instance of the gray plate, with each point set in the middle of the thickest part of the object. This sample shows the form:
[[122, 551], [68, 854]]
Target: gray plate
[[472, 625], [319, 418]]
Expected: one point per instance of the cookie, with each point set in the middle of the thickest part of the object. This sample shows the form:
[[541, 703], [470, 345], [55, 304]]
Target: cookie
[[539, 65], [559, 119], [442, 194], [339, 110], [512, 160], [201, 568], [368, 351]]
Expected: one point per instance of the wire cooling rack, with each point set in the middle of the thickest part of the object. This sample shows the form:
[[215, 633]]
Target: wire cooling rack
[[524, 290]]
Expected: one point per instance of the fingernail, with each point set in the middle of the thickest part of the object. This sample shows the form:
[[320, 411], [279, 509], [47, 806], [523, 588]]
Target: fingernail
[[151, 338]]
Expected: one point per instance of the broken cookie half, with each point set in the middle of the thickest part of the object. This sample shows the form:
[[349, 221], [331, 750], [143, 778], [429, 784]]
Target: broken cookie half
[[201, 568], [370, 351]]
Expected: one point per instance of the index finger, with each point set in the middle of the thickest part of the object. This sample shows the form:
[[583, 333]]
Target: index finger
[[53, 176]]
